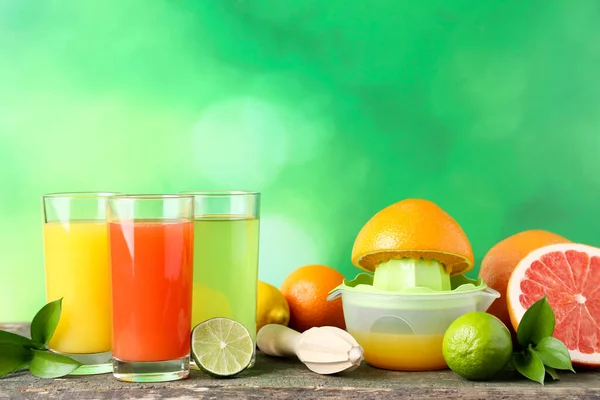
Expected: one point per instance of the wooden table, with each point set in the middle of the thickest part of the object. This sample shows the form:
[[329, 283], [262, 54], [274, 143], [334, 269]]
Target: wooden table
[[289, 379]]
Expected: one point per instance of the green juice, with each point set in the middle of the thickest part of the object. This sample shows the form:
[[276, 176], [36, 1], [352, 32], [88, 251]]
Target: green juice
[[225, 269]]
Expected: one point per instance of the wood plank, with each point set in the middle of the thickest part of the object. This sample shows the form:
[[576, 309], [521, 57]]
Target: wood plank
[[289, 379]]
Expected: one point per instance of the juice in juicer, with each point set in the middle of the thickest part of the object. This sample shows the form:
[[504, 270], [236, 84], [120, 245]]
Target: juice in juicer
[[415, 256]]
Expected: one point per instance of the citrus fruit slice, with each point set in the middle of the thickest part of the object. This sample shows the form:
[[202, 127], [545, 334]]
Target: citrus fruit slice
[[500, 261], [222, 347], [569, 275]]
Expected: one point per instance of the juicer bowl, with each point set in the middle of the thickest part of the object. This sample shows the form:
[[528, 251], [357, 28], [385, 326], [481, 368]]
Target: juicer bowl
[[405, 332]]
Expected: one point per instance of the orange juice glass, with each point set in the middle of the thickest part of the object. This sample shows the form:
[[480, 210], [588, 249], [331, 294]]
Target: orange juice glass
[[151, 241], [77, 270]]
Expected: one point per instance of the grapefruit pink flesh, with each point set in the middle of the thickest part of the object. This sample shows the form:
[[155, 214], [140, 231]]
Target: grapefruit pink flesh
[[569, 275]]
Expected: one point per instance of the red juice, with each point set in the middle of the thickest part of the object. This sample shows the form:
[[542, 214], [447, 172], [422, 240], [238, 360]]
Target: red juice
[[152, 273]]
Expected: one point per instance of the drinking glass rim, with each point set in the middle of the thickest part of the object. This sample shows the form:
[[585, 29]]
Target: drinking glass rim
[[79, 195], [144, 196], [223, 193]]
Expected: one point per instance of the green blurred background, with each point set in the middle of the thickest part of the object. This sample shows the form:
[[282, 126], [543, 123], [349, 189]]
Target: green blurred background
[[333, 109]]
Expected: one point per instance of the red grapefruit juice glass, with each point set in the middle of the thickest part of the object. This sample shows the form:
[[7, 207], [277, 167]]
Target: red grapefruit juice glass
[[151, 241]]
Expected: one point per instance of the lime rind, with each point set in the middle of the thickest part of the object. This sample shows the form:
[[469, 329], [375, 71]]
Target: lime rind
[[222, 347], [477, 346]]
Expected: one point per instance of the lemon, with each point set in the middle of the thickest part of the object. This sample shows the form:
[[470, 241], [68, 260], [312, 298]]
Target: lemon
[[209, 303], [271, 306], [477, 346]]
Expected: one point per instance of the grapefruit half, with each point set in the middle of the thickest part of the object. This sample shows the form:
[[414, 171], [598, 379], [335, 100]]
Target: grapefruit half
[[569, 275]]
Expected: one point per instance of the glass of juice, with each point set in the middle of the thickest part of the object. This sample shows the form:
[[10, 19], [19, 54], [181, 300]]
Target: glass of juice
[[151, 241], [226, 234], [78, 271]]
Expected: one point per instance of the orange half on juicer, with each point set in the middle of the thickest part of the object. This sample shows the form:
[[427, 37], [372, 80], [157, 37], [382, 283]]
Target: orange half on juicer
[[417, 255]]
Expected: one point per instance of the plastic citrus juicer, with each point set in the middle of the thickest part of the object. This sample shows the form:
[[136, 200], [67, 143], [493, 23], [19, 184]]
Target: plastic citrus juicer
[[398, 314]]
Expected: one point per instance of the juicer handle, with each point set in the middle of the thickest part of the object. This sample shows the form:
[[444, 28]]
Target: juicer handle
[[277, 340]]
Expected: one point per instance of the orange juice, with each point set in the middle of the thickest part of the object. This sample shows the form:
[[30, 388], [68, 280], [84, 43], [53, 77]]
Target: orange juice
[[402, 352], [77, 270]]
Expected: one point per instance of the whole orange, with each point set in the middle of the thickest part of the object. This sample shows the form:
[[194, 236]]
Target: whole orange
[[501, 260], [306, 290]]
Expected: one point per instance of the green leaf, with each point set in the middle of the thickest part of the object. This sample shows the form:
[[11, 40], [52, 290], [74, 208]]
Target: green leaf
[[537, 323], [529, 365], [14, 357], [552, 372], [554, 353], [51, 365], [9, 337], [44, 323]]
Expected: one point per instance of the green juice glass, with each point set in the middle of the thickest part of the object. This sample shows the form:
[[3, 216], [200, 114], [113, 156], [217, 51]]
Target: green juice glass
[[226, 236]]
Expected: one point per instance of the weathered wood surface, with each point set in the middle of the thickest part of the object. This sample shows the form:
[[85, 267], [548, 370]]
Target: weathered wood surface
[[288, 379]]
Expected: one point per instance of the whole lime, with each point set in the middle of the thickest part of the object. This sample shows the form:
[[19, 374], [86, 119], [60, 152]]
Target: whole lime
[[477, 346]]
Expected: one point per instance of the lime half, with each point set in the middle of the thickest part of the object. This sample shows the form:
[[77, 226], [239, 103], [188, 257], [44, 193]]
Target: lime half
[[222, 347]]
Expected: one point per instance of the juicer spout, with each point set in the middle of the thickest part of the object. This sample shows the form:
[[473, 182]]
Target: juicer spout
[[486, 298]]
